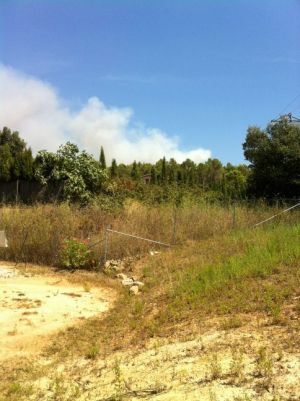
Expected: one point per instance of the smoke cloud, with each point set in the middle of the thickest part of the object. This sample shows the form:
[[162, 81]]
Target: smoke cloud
[[35, 109]]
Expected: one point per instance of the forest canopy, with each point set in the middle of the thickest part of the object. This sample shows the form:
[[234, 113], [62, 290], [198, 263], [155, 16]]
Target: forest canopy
[[76, 176]]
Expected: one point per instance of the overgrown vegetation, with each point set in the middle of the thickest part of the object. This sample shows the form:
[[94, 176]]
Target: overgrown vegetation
[[227, 275], [49, 234]]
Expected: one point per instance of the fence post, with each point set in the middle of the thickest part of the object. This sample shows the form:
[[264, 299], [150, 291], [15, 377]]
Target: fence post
[[174, 225], [17, 191], [234, 214], [106, 242]]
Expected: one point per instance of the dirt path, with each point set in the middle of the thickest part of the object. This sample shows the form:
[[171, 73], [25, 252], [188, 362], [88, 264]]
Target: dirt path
[[33, 307]]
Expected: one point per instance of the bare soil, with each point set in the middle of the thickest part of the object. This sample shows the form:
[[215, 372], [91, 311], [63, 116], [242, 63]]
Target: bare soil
[[34, 307], [255, 359]]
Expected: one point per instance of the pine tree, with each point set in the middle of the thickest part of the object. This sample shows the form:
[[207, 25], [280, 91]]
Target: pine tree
[[113, 169], [102, 158]]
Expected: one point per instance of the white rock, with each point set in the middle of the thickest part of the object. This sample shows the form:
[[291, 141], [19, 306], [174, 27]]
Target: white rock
[[127, 281], [134, 289], [6, 273], [138, 283], [122, 276]]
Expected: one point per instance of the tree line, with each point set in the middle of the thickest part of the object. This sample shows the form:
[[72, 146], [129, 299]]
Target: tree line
[[273, 170]]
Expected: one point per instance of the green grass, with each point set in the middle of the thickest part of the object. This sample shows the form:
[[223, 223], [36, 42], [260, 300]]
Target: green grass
[[265, 252]]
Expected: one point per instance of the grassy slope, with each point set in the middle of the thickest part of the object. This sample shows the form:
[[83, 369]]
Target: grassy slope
[[186, 289], [245, 271]]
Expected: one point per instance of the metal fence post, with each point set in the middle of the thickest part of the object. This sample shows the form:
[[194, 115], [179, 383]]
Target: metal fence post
[[106, 242], [174, 225], [17, 191], [234, 215]]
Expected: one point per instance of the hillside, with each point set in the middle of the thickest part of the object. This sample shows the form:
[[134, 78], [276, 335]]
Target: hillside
[[217, 319]]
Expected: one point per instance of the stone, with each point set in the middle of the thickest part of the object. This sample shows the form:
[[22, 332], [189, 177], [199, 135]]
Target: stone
[[127, 282], [122, 276], [6, 273], [152, 253], [138, 283], [115, 268], [134, 289]]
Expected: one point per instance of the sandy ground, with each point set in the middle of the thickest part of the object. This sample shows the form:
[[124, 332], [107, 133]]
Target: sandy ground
[[244, 364], [258, 361], [33, 307]]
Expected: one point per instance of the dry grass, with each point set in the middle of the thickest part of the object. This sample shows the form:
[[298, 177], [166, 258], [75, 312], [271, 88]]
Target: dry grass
[[36, 234]]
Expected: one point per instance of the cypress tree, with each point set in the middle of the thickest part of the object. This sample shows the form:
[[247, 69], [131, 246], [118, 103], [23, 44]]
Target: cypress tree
[[134, 172], [102, 158], [153, 175], [113, 169]]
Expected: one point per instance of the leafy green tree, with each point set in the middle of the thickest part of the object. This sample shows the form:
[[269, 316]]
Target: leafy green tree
[[6, 162], [235, 184], [274, 155], [188, 168], [102, 158], [16, 159], [77, 172], [214, 174]]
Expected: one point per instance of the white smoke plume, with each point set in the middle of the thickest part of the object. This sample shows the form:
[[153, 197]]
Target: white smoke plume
[[34, 108]]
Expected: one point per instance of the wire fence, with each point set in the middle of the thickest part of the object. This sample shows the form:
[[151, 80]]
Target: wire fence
[[109, 230], [36, 234]]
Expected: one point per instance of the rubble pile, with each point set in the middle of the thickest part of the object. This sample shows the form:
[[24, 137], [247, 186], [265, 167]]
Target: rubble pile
[[117, 268]]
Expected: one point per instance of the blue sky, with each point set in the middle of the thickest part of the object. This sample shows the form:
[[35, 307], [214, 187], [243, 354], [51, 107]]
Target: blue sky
[[202, 71]]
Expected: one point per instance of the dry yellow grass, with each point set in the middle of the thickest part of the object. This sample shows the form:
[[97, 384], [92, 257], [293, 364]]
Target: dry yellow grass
[[36, 233]]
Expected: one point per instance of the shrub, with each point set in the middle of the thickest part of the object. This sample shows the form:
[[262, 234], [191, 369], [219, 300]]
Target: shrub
[[75, 254]]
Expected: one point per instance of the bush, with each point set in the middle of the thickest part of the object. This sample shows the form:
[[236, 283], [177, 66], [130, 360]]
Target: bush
[[75, 254]]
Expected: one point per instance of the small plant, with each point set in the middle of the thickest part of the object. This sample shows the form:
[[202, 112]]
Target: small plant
[[62, 390], [264, 365], [212, 395], [75, 254], [118, 381], [93, 352], [245, 397], [272, 302], [16, 391], [232, 323], [237, 365], [215, 367], [87, 287]]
